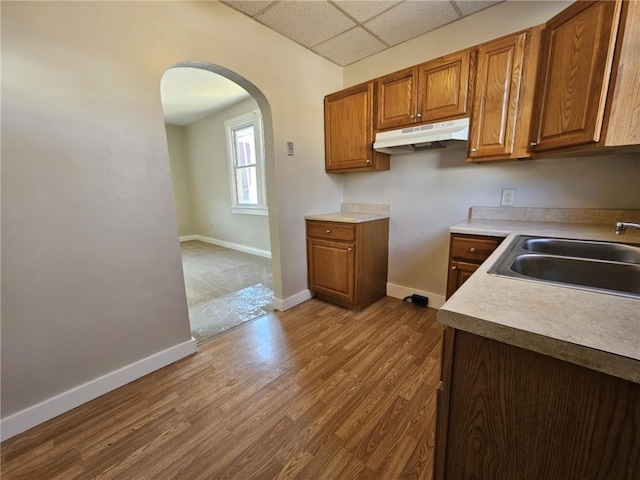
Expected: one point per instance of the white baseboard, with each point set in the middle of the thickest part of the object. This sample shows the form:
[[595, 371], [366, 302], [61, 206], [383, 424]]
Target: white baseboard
[[292, 301], [231, 245], [30, 417], [400, 291], [393, 290]]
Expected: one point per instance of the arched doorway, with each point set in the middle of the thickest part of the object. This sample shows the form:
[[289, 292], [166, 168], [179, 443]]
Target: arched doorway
[[220, 145]]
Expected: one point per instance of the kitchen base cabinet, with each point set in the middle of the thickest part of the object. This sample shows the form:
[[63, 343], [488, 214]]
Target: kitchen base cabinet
[[347, 262], [507, 412], [466, 254]]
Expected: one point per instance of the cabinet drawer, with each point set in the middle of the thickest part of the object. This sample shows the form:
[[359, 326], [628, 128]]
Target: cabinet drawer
[[473, 248], [331, 231]]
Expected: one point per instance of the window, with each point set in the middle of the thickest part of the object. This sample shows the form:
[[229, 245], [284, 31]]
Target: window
[[245, 148]]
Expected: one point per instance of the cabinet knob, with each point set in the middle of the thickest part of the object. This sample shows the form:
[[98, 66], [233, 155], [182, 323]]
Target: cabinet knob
[[368, 161], [473, 150], [328, 231], [472, 249], [412, 117], [533, 144], [419, 115], [349, 249], [453, 267]]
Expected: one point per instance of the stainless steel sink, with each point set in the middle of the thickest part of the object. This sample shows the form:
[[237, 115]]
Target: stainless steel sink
[[620, 277], [597, 266], [615, 252]]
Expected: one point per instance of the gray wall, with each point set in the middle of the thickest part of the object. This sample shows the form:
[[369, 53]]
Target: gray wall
[[181, 178], [211, 187], [428, 192], [91, 271]]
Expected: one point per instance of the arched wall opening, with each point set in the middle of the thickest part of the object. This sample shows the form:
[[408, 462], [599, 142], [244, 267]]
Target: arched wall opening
[[269, 157]]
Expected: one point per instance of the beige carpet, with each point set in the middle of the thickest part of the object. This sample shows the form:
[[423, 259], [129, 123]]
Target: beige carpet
[[224, 287]]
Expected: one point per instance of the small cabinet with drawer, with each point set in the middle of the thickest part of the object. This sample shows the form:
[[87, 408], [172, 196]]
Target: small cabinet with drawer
[[347, 262], [466, 254]]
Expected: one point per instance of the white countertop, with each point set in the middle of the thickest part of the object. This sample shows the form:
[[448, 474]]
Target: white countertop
[[347, 217], [353, 213], [597, 330]]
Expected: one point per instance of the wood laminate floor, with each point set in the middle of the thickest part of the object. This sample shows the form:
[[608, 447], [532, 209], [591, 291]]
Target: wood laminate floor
[[317, 392]]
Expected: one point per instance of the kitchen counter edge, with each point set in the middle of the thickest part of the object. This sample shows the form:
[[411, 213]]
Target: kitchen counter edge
[[596, 330]]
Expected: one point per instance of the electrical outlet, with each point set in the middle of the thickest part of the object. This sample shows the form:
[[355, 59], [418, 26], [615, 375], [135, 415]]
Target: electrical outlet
[[290, 149], [508, 197]]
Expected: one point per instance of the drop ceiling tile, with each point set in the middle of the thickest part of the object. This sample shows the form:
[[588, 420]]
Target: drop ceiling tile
[[350, 47], [410, 19], [248, 7], [306, 22], [468, 7], [363, 10]]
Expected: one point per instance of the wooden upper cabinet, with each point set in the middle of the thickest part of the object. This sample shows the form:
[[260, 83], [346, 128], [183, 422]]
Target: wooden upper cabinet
[[504, 96], [348, 121], [397, 99], [433, 91], [589, 53], [443, 87]]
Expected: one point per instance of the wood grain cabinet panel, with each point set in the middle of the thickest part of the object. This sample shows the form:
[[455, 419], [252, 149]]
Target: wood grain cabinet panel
[[443, 87], [349, 117], [507, 412], [466, 254], [587, 98], [397, 99], [433, 91], [504, 95], [347, 263]]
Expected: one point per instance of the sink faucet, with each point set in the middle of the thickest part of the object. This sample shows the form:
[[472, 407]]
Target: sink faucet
[[621, 227]]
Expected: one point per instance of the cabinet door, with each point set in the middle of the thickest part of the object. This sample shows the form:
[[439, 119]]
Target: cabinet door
[[498, 83], [443, 86], [397, 99], [575, 71], [348, 117], [332, 268], [459, 272]]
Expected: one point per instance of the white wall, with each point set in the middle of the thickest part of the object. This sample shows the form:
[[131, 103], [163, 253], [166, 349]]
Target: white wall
[[181, 178], [211, 187], [91, 271], [428, 192]]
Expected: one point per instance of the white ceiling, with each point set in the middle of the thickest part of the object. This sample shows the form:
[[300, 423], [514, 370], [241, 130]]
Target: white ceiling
[[342, 31], [190, 94], [345, 31]]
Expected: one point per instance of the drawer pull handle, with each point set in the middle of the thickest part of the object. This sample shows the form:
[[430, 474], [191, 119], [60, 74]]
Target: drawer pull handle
[[454, 267], [349, 249], [472, 249], [328, 231]]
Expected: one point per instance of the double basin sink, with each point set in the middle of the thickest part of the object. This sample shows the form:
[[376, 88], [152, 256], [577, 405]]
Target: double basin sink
[[597, 266]]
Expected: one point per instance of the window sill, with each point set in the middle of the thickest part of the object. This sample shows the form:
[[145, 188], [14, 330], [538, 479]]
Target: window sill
[[250, 211]]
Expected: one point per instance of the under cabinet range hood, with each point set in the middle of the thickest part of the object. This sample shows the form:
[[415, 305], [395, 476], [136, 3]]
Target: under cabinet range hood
[[423, 137]]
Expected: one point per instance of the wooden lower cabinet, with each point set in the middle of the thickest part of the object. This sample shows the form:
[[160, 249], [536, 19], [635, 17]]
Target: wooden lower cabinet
[[507, 412], [466, 254], [347, 262]]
